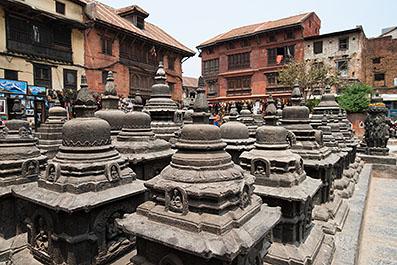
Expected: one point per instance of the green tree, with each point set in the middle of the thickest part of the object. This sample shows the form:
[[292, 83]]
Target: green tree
[[309, 76], [355, 97]]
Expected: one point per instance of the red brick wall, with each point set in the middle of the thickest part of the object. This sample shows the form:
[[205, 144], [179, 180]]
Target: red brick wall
[[258, 48], [386, 49], [96, 62]]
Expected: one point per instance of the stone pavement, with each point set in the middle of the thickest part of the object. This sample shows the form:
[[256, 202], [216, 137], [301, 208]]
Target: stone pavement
[[379, 232]]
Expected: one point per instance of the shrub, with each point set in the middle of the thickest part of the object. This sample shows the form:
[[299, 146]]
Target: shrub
[[355, 97]]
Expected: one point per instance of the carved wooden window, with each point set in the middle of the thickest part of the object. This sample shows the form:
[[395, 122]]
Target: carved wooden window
[[318, 47], [239, 85], [239, 61], [106, 45], [10, 74], [70, 79], [245, 43], [280, 55], [60, 7], [63, 37], [211, 67], [272, 79], [42, 75]]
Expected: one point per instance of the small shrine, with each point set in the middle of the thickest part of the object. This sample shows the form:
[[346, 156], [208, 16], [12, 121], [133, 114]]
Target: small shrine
[[319, 161], [161, 107], [376, 133], [70, 212], [50, 133], [147, 155], [236, 135], [110, 111], [281, 181], [202, 209], [247, 118]]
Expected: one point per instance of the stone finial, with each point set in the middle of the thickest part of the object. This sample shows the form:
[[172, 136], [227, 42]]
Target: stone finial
[[327, 89], [160, 77], [271, 112], [85, 102], [296, 95], [233, 112], [201, 82], [110, 87], [324, 120], [200, 107]]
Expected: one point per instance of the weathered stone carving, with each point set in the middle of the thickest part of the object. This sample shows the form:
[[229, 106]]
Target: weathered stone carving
[[50, 133], [194, 202], [110, 111], [236, 135], [319, 161], [161, 107], [147, 155], [86, 186], [376, 128], [281, 181]]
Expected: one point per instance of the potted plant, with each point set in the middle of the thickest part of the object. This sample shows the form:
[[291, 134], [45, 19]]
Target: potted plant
[[355, 99]]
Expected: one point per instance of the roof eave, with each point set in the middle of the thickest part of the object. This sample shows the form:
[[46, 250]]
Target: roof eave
[[186, 53], [247, 35]]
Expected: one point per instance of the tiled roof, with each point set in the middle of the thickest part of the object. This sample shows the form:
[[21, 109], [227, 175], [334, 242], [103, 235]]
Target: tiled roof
[[190, 81], [109, 15], [256, 28]]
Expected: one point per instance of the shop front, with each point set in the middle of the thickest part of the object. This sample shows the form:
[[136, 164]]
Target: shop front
[[33, 100]]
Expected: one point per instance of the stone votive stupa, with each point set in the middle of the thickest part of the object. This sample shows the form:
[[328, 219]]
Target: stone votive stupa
[[282, 181], [202, 209], [110, 111], [376, 133], [247, 118], [70, 211], [50, 133], [236, 135], [138, 101], [147, 155], [319, 162], [161, 107]]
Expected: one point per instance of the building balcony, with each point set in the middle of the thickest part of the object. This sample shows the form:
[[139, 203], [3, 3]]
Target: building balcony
[[54, 53]]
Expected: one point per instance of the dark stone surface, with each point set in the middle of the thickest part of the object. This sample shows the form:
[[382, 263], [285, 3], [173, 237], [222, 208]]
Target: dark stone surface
[[50, 133], [247, 118], [201, 203], [110, 111], [147, 155], [161, 107], [71, 210], [281, 181]]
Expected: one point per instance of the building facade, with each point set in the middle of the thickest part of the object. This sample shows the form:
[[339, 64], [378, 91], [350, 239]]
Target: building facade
[[41, 48], [122, 41], [342, 52], [243, 63]]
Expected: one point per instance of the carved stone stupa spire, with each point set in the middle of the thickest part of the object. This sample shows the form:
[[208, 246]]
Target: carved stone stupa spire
[[161, 107]]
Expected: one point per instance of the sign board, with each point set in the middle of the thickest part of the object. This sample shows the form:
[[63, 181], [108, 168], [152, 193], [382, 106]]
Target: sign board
[[37, 91], [13, 87]]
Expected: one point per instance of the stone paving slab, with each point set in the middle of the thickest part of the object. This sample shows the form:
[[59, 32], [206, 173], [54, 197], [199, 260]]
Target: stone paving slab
[[347, 242], [379, 234]]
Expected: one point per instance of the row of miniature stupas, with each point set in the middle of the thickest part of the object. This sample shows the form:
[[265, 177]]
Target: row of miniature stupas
[[218, 197]]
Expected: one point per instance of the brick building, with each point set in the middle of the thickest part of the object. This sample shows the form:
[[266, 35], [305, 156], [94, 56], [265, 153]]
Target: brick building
[[341, 51], [243, 63], [41, 49], [122, 41]]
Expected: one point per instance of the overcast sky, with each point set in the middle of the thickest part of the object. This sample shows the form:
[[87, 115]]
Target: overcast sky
[[192, 22]]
